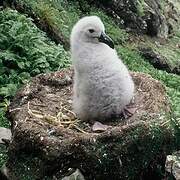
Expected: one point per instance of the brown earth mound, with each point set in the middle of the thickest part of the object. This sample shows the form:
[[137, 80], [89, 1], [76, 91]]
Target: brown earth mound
[[43, 122]]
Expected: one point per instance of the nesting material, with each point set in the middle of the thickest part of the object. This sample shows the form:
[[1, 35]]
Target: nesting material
[[43, 122]]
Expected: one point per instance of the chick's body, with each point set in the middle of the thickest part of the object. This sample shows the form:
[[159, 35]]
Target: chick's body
[[102, 84]]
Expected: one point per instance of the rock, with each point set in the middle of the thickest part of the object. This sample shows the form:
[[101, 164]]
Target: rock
[[155, 19], [4, 134], [158, 60], [150, 17], [123, 11], [173, 164], [122, 151], [172, 14], [77, 175], [99, 127]]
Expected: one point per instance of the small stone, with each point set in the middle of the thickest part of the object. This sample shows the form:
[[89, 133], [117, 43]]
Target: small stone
[[99, 127], [77, 175], [4, 134], [173, 165]]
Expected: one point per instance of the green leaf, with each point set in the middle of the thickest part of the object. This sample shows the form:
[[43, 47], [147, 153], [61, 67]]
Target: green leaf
[[21, 65], [24, 77], [8, 90]]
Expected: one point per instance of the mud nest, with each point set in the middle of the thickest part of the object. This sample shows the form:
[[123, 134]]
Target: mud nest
[[43, 122]]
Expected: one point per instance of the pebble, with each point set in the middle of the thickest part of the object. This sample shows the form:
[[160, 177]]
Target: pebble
[[4, 134]]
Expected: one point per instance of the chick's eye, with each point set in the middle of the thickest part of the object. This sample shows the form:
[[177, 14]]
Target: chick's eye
[[91, 30]]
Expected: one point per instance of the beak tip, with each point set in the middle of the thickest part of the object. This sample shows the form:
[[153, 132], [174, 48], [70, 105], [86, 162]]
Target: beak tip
[[112, 46], [107, 40]]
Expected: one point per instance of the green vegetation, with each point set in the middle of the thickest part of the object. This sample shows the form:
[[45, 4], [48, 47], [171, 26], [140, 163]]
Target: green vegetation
[[63, 15], [29, 164], [3, 155], [119, 36], [136, 63], [25, 51], [169, 50], [57, 13], [140, 7]]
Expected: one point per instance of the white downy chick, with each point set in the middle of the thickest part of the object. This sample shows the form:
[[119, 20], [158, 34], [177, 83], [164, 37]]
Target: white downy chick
[[102, 84]]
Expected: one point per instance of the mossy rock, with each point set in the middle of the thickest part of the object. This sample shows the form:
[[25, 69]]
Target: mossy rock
[[159, 61], [43, 123], [151, 17]]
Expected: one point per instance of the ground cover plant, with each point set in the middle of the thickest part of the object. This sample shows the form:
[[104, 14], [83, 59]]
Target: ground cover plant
[[25, 51]]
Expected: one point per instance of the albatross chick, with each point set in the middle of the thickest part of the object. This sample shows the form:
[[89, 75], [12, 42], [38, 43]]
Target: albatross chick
[[102, 84]]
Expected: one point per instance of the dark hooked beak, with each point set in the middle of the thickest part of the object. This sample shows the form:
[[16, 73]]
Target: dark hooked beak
[[106, 39]]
